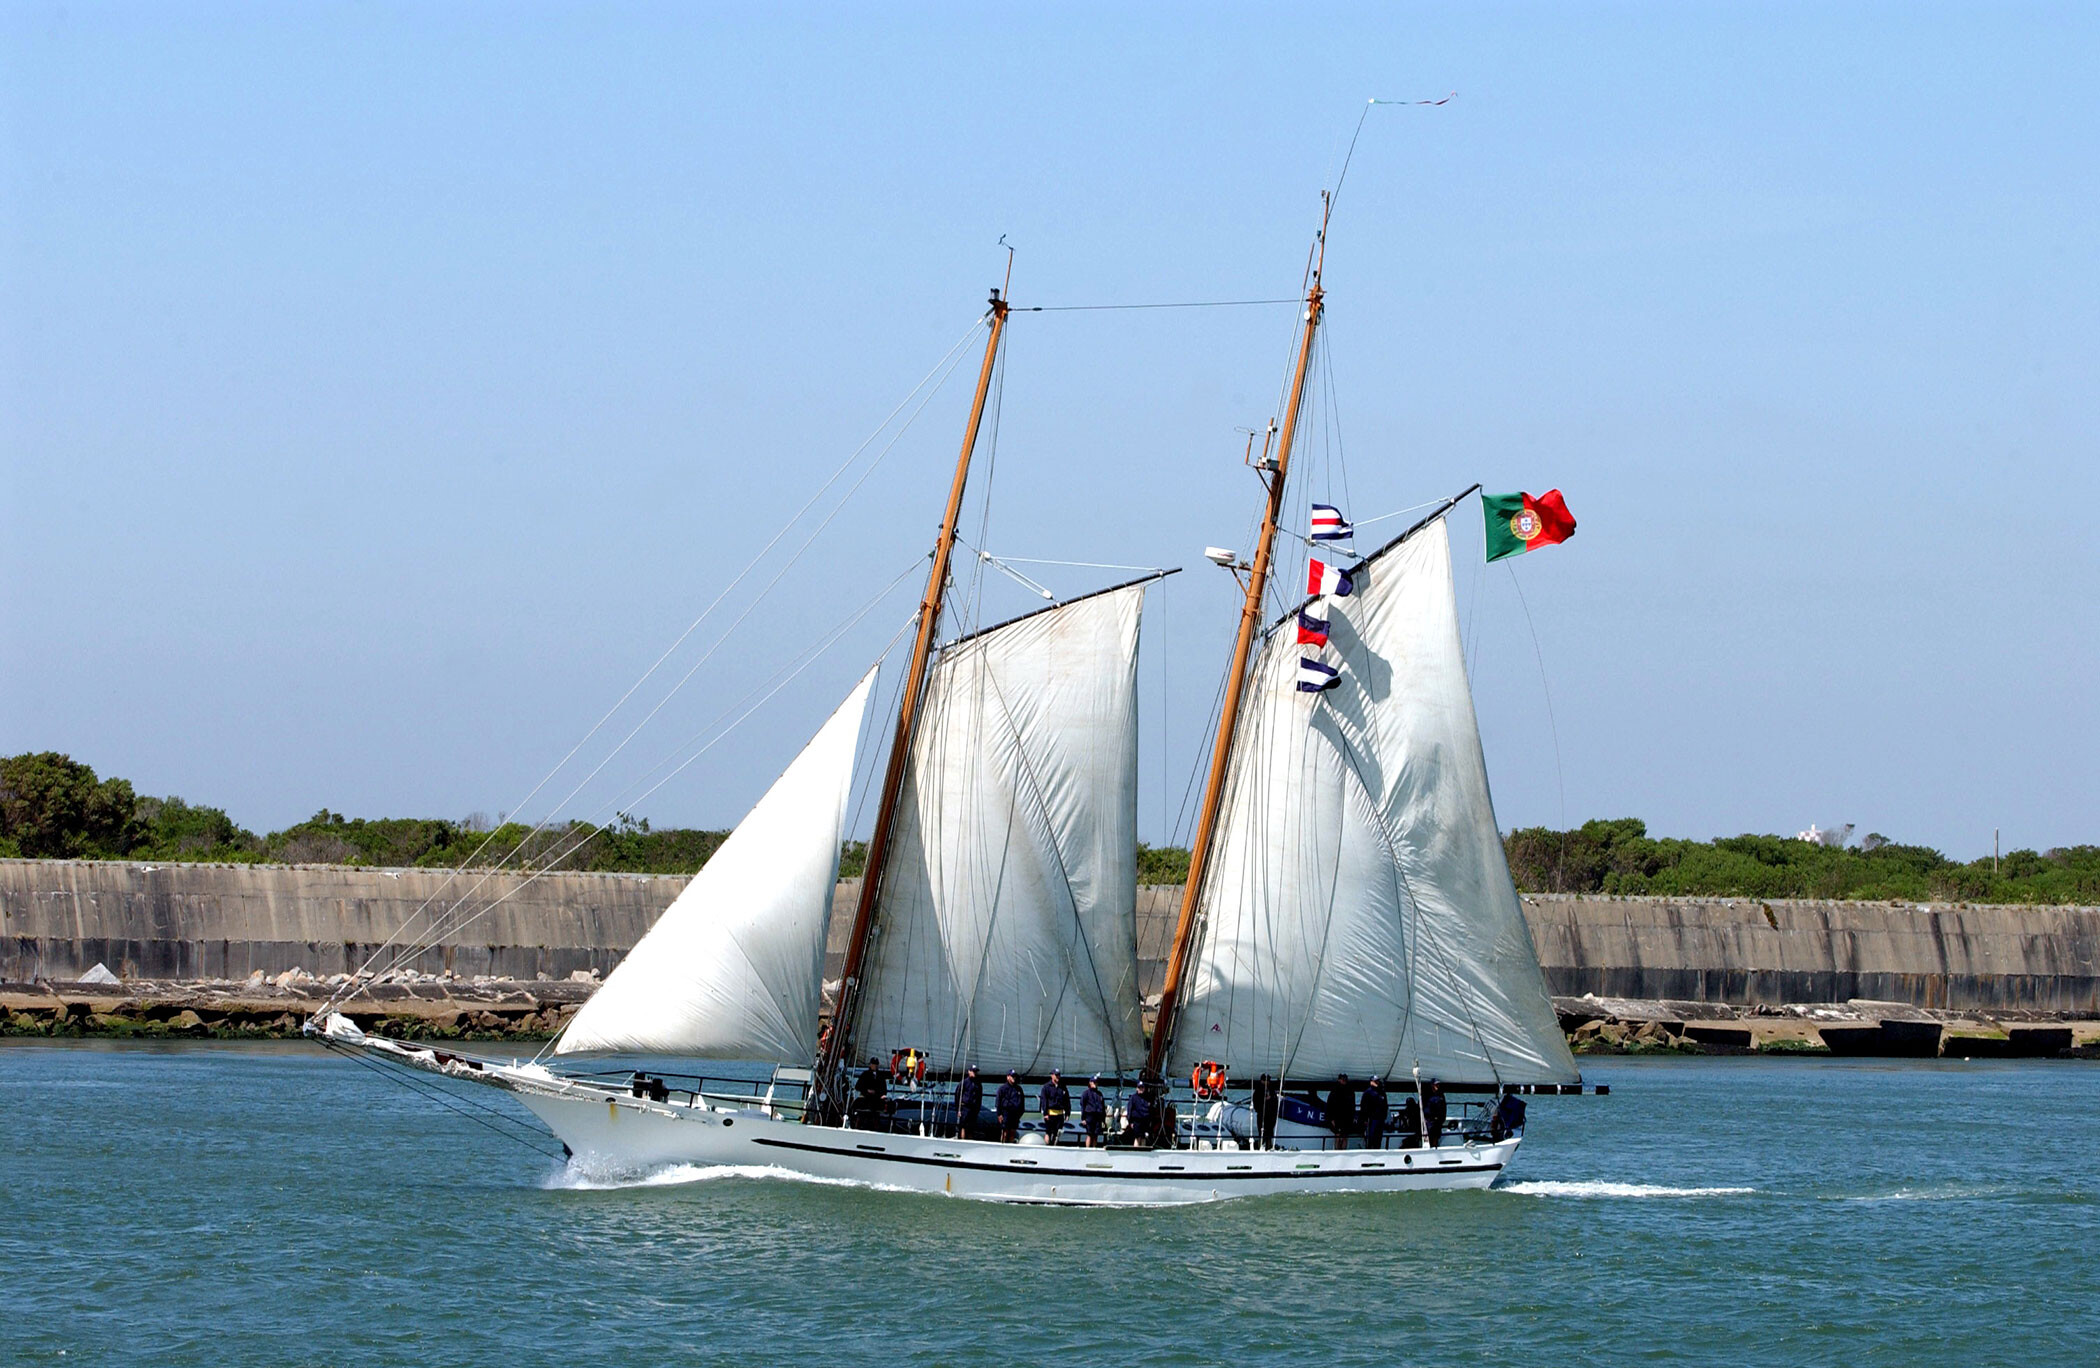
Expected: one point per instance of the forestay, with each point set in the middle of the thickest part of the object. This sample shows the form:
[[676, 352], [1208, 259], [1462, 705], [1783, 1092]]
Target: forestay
[[1359, 915], [733, 968], [1006, 920]]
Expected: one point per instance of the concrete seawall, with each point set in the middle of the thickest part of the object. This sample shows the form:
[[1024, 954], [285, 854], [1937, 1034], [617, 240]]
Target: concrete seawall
[[1750, 952], [59, 918]]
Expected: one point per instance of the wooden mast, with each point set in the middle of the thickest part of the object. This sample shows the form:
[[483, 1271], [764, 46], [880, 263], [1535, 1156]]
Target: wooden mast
[[1235, 686], [834, 1050]]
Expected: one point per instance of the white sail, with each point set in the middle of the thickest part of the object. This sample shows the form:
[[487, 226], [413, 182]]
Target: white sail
[[1358, 913], [1006, 931], [733, 968]]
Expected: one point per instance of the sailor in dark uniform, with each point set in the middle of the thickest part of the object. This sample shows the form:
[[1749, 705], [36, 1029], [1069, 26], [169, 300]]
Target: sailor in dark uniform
[[1370, 1115], [1093, 1112], [1056, 1103], [1138, 1118], [869, 1093], [1011, 1104], [969, 1100], [1341, 1110], [1408, 1124], [1266, 1096], [1508, 1118], [1434, 1107]]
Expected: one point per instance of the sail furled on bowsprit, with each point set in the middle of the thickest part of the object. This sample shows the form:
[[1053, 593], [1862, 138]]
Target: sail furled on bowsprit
[[1006, 931], [1358, 915], [733, 968]]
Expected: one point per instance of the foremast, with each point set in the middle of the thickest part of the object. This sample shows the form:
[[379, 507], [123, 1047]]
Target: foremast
[[1236, 680], [836, 1046]]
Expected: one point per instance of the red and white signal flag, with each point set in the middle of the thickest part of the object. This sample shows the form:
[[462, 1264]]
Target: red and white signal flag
[[1328, 524], [1322, 578]]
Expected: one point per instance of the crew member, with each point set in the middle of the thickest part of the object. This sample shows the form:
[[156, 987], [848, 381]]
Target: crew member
[[1137, 1118], [969, 1100], [1093, 1112], [1408, 1124], [1011, 1104], [1508, 1118], [1265, 1101], [869, 1093], [1341, 1110], [1434, 1106], [1056, 1103], [1371, 1113]]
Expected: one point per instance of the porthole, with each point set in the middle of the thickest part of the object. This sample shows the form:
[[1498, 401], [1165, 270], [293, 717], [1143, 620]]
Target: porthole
[[727, 1122]]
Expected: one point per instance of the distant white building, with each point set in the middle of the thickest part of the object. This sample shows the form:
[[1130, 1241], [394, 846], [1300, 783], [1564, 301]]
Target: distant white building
[[1836, 836]]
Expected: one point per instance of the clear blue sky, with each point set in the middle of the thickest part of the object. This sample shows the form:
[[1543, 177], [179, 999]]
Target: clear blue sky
[[384, 386]]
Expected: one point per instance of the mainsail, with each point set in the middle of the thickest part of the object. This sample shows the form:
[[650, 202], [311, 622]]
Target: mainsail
[[1358, 913], [733, 967], [1006, 921]]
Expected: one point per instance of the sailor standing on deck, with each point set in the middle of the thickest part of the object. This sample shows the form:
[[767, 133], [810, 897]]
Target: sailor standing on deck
[[1341, 1110], [1433, 1109], [1056, 1103], [1138, 1118], [1266, 1095], [1408, 1125], [1508, 1118], [1093, 1112], [969, 1100], [870, 1094], [1371, 1113], [1011, 1104]]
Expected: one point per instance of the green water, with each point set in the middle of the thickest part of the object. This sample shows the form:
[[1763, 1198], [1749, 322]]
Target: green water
[[229, 1204]]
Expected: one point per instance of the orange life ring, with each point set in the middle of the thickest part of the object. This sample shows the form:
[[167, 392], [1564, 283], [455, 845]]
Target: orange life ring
[[1208, 1079], [908, 1066]]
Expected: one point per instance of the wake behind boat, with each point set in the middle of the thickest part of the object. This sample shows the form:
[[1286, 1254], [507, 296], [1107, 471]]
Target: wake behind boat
[[1348, 915]]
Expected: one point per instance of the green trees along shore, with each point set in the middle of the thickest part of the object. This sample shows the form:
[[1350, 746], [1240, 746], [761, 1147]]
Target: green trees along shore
[[54, 807], [1621, 857]]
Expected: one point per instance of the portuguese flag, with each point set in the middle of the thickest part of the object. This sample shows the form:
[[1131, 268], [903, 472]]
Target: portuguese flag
[[1517, 523]]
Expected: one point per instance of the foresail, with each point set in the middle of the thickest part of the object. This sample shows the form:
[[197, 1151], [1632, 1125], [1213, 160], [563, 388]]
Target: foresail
[[1006, 923], [1359, 916], [733, 968]]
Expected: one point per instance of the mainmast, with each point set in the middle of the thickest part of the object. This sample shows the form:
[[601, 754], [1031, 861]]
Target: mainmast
[[1236, 682], [834, 1049]]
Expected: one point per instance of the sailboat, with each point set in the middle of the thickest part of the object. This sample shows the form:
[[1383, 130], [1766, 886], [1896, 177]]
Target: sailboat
[[1347, 912]]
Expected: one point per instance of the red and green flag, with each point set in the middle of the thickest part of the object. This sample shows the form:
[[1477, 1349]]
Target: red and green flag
[[1517, 523]]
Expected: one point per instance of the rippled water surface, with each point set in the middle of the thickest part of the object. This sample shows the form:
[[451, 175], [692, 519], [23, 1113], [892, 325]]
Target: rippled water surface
[[226, 1204]]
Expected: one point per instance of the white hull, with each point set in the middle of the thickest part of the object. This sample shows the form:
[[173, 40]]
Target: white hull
[[609, 1131], [625, 1133]]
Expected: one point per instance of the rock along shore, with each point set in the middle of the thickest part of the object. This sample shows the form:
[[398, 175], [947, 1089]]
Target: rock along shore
[[258, 1008], [412, 1007]]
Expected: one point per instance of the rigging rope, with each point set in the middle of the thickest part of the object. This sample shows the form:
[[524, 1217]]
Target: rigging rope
[[1547, 688], [1350, 155], [1185, 304], [1083, 565], [502, 1123], [947, 361], [938, 376], [444, 925]]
